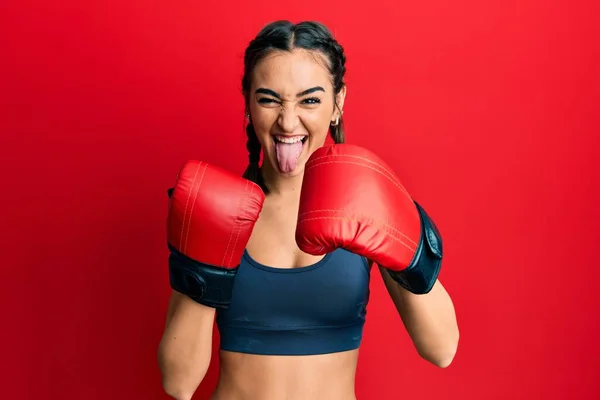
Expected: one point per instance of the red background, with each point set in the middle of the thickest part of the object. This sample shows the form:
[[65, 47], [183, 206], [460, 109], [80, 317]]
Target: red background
[[489, 112]]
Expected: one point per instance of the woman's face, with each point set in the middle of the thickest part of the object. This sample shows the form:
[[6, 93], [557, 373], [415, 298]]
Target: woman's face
[[291, 104]]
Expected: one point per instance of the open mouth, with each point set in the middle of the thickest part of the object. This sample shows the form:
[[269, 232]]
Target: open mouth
[[288, 150]]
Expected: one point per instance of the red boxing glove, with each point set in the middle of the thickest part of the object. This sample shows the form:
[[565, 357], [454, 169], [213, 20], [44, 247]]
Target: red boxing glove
[[351, 199], [211, 216]]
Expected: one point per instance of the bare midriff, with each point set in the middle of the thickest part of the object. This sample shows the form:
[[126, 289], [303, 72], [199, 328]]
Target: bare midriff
[[314, 377]]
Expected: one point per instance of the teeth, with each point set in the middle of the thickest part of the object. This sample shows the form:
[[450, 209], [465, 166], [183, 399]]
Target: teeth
[[289, 140]]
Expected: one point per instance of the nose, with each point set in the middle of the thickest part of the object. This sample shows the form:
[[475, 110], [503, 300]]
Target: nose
[[288, 119]]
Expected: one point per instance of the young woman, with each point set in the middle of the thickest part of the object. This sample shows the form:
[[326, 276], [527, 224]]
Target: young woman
[[289, 293]]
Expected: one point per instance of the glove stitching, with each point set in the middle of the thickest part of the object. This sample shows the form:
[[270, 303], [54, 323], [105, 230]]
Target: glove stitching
[[239, 228], [186, 209], [389, 228], [355, 219], [389, 175], [197, 187]]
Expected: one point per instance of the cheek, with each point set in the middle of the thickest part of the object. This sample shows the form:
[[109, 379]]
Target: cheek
[[263, 121], [317, 126]]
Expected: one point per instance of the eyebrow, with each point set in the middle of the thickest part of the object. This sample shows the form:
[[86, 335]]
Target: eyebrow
[[302, 93]]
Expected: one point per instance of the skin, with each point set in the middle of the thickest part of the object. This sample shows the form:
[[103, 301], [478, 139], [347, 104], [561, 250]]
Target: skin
[[185, 350], [328, 376], [285, 113]]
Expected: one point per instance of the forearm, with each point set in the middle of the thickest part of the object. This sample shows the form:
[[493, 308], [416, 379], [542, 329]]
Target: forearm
[[430, 320], [185, 348]]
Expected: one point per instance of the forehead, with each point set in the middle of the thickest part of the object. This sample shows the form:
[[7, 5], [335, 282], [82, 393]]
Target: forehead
[[291, 72]]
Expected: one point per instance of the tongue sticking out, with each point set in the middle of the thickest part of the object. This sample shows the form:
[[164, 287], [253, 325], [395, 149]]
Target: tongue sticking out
[[287, 155]]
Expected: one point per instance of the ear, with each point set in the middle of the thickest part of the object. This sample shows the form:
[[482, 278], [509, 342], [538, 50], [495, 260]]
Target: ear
[[339, 99]]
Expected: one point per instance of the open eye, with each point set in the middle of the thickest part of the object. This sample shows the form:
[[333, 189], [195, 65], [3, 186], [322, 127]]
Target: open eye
[[312, 100]]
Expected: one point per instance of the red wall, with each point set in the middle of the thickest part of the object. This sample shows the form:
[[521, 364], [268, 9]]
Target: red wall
[[489, 111]]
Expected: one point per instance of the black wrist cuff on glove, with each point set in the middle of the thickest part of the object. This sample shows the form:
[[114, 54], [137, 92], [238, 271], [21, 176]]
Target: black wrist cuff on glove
[[206, 284], [421, 274]]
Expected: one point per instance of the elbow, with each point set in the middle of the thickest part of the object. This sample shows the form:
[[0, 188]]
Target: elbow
[[176, 394], [179, 381], [443, 356], [180, 387], [441, 359]]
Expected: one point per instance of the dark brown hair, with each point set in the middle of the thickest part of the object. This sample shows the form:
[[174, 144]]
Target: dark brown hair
[[285, 36]]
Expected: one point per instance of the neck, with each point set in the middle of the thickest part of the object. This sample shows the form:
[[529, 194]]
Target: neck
[[281, 185]]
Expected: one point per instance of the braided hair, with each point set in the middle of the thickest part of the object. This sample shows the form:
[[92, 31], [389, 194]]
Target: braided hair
[[285, 36]]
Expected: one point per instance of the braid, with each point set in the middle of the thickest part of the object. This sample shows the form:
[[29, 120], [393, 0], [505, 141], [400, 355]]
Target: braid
[[253, 145], [337, 132], [338, 70], [253, 172], [338, 64]]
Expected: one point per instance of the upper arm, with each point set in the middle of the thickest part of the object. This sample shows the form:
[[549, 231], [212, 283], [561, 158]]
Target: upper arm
[[402, 297], [429, 319], [390, 284], [393, 289], [189, 324]]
